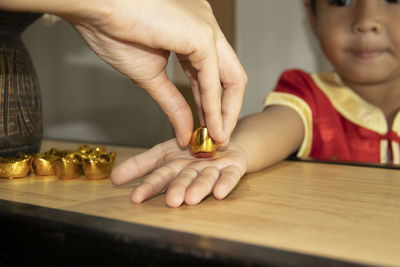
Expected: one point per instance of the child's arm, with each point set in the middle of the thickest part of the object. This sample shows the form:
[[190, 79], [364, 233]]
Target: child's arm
[[259, 140], [269, 136]]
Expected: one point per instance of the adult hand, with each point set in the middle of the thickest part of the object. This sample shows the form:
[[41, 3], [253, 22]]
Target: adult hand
[[184, 178], [136, 37]]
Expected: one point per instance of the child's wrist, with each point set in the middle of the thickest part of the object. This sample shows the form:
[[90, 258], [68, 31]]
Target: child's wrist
[[238, 146]]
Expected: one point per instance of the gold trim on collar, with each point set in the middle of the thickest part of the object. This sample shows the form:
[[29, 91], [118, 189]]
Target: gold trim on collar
[[349, 104], [396, 152], [396, 124], [384, 151], [395, 145], [301, 108]]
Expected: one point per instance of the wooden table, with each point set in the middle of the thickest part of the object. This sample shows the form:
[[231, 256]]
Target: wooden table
[[294, 213]]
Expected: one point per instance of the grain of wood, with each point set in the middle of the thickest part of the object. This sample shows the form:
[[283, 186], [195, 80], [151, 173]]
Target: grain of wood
[[344, 212]]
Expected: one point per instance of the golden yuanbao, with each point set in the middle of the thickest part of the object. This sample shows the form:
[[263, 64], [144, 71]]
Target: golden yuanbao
[[43, 164], [97, 166], [67, 167], [201, 144], [15, 167], [65, 164]]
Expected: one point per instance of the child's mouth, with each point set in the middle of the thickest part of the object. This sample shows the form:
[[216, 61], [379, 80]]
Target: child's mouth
[[367, 55]]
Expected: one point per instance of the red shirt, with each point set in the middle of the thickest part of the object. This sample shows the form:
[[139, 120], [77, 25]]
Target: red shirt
[[339, 124]]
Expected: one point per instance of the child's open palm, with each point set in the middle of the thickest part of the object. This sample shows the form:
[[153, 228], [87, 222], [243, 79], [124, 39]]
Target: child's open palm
[[184, 178]]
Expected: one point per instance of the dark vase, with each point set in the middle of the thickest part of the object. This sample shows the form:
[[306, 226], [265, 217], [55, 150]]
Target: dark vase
[[21, 125]]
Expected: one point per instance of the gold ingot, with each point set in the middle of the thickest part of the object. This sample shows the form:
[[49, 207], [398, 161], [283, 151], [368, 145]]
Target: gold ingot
[[84, 149], [73, 154], [15, 167], [68, 164], [68, 167], [100, 150], [201, 144], [98, 166], [53, 151], [43, 164]]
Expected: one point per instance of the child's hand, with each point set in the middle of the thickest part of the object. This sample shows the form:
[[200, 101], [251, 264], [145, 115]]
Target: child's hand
[[183, 177]]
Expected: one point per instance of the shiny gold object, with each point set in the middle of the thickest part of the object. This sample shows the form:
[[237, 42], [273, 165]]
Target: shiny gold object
[[201, 144], [98, 166], [43, 164], [96, 163], [84, 149], [15, 167], [68, 167], [100, 150]]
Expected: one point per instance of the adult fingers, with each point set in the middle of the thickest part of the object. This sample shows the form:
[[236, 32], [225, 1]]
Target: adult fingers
[[197, 98], [229, 178], [205, 61], [234, 80], [191, 73], [174, 105]]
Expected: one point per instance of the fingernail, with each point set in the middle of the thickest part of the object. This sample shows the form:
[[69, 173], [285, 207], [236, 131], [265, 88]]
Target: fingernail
[[223, 137], [181, 143], [227, 140], [178, 140], [220, 137]]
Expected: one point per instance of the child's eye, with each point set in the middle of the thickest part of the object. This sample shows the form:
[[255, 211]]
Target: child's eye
[[339, 2], [393, 1]]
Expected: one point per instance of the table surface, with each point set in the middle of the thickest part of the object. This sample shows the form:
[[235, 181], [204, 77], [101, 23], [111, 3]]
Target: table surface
[[349, 213]]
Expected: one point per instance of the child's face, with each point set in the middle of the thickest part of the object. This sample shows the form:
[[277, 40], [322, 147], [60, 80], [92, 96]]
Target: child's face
[[361, 38]]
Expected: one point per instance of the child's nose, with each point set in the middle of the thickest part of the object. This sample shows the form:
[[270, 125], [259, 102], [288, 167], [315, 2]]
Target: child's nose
[[367, 17]]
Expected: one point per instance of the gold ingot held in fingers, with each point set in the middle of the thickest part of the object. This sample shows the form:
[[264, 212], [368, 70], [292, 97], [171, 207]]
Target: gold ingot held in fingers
[[15, 167], [201, 144]]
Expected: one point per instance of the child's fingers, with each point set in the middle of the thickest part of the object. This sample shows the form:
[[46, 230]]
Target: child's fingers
[[202, 185], [229, 178], [138, 165], [153, 184], [177, 189]]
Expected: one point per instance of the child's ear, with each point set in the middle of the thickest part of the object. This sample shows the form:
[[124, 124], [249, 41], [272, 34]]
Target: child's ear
[[312, 16]]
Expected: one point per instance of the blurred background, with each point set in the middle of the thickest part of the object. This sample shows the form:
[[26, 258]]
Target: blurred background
[[86, 100]]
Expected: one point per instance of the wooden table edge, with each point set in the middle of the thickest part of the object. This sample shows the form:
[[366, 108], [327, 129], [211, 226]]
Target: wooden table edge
[[45, 236]]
